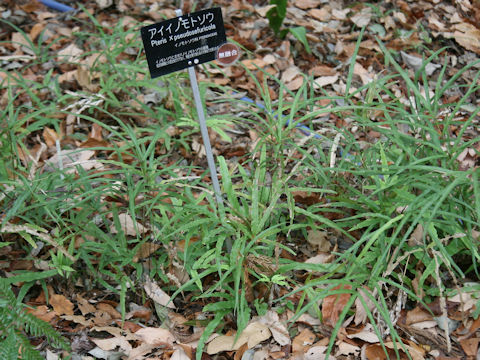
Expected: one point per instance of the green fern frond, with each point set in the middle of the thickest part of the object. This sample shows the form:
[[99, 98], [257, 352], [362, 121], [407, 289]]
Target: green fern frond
[[15, 322], [27, 352], [9, 348], [37, 327]]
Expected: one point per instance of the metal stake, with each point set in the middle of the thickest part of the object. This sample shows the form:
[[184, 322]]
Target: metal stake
[[206, 139]]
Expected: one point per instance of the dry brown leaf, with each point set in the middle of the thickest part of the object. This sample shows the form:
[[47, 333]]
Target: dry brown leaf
[[323, 258], [157, 294], [109, 309], [415, 353], [43, 313], [370, 45], [340, 14], [71, 53], [128, 226], [103, 4], [252, 335], [67, 77], [307, 4], [317, 353], [102, 319], [417, 315], [309, 319], [262, 11], [96, 132], [140, 313], [376, 352], [295, 84], [319, 239], [36, 30], [422, 325], [416, 62], [361, 312], [278, 329], [113, 343], [290, 73], [78, 319], [19, 42], [140, 351], [220, 344], [323, 14], [363, 17], [180, 274], [50, 136], [72, 158], [470, 346], [303, 341], [364, 74], [333, 305], [155, 336], [115, 331], [46, 15], [468, 36], [346, 349], [61, 305], [145, 250], [83, 77], [323, 81], [84, 306], [367, 334], [322, 70], [179, 354], [269, 59], [91, 143], [467, 159], [416, 238]]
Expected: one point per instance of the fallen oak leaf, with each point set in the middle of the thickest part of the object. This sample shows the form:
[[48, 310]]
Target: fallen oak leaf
[[317, 353], [78, 319], [155, 336], [50, 136], [109, 309], [43, 313], [367, 334], [252, 335], [333, 305], [278, 329], [155, 293], [361, 312], [61, 305], [128, 226], [112, 343], [319, 239], [84, 306], [303, 341], [415, 353], [179, 354], [347, 349]]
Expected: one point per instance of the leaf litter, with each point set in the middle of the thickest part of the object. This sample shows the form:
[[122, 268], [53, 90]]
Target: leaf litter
[[269, 336]]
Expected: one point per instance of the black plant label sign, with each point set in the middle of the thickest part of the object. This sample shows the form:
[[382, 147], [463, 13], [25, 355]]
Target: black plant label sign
[[184, 41]]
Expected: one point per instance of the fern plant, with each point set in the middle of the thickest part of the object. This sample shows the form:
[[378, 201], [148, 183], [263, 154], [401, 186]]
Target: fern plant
[[15, 323]]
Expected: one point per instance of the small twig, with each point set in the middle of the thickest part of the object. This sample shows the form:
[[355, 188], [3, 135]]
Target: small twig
[[11, 228], [333, 151], [443, 303], [60, 160]]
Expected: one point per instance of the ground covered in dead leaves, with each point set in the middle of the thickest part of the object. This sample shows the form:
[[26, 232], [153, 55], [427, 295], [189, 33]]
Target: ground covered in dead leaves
[[91, 320]]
